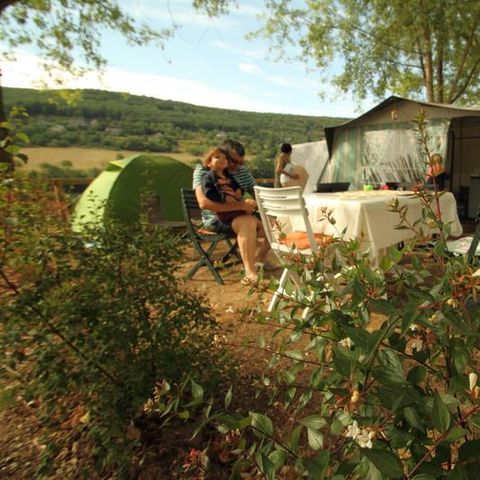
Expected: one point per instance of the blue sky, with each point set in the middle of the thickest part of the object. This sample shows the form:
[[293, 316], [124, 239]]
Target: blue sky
[[207, 62]]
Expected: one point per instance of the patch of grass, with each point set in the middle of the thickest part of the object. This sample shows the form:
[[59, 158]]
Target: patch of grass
[[6, 398]]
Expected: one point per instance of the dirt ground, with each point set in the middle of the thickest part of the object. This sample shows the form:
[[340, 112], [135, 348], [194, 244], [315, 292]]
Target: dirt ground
[[21, 434]]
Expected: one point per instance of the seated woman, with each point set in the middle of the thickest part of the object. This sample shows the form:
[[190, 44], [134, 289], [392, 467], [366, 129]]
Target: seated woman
[[225, 211], [436, 174]]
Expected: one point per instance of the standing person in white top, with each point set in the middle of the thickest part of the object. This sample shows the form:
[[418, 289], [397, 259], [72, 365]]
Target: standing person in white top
[[284, 168]]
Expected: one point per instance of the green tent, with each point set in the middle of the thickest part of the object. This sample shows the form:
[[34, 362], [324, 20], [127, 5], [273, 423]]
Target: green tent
[[142, 184]]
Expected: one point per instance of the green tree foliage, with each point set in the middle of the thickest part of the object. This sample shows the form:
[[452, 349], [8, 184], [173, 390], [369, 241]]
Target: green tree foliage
[[64, 30], [429, 48], [107, 119]]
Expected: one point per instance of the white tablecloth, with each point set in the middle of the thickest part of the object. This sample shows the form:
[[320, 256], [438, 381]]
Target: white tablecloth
[[365, 215]]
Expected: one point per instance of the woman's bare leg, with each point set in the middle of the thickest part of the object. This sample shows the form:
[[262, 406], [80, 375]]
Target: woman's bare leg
[[245, 227]]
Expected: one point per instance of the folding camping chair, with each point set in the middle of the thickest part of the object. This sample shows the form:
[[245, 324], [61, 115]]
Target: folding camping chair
[[287, 228], [201, 237]]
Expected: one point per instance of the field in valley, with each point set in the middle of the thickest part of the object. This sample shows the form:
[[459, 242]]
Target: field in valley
[[84, 158]]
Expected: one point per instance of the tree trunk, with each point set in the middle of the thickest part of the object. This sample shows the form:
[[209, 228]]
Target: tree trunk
[[439, 80], [426, 51], [5, 156]]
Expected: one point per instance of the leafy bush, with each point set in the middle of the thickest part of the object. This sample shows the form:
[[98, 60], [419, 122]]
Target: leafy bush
[[92, 327], [381, 378], [379, 374]]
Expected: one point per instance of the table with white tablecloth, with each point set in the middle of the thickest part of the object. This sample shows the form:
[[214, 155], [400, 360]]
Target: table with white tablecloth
[[366, 216]]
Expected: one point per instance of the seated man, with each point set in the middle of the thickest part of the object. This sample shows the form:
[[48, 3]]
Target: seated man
[[248, 228], [236, 160]]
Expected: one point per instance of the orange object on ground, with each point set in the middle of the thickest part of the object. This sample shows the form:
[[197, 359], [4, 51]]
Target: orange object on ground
[[300, 240]]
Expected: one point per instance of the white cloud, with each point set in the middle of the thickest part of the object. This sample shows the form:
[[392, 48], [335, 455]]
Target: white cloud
[[257, 53], [275, 79], [26, 72], [249, 68]]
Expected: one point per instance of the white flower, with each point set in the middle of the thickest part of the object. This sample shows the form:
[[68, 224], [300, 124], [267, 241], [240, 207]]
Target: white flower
[[365, 439], [472, 379], [346, 342], [353, 431], [417, 344], [229, 310]]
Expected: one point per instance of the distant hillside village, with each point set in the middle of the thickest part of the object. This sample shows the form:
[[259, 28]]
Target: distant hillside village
[[94, 118]]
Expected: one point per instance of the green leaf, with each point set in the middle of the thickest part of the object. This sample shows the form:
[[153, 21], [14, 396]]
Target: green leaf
[[387, 463], [337, 427], [317, 465], [21, 136], [416, 374], [262, 423], [342, 361], [278, 458], [294, 439], [294, 355], [315, 422], [475, 420], [399, 438], [315, 439], [383, 306], [197, 391], [390, 362], [440, 414], [228, 398], [423, 476], [229, 422], [413, 418], [267, 467], [304, 399], [455, 434], [461, 357], [22, 157], [458, 473], [389, 377], [469, 450]]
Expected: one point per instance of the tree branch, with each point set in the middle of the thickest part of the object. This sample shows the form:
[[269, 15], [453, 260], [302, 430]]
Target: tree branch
[[467, 82], [453, 95]]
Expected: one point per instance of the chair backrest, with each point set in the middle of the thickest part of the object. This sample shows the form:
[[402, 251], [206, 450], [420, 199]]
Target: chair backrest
[[283, 211], [472, 251], [192, 212]]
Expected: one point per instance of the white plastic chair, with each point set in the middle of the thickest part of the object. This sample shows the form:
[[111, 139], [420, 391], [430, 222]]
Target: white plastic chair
[[468, 246], [288, 230]]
